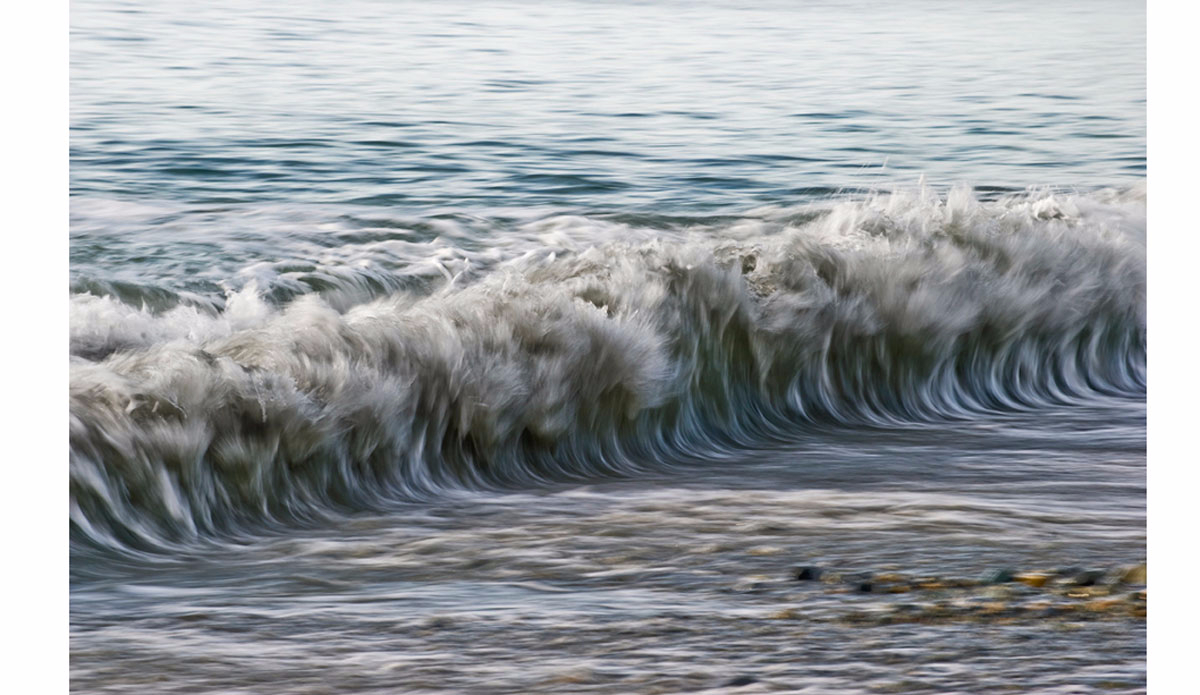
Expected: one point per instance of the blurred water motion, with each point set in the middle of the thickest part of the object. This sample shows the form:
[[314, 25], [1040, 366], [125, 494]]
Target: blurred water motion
[[533, 348]]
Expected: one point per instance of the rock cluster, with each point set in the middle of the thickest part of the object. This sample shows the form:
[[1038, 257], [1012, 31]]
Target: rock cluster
[[1001, 595]]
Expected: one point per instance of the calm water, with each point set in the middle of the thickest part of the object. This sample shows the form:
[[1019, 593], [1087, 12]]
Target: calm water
[[653, 106], [458, 347]]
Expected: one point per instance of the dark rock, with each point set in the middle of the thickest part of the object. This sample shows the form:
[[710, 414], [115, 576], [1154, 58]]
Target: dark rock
[[739, 681], [808, 574], [864, 587], [1087, 578]]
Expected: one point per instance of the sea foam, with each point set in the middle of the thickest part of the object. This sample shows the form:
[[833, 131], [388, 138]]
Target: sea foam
[[591, 348]]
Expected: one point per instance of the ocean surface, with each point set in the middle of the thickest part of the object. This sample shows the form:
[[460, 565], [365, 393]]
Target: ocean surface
[[614, 347]]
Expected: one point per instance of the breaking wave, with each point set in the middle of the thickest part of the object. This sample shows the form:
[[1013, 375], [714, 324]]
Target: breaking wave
[[613, 348]]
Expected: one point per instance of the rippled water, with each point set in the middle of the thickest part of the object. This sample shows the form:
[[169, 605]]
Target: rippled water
[[530, 348], [655, 106]]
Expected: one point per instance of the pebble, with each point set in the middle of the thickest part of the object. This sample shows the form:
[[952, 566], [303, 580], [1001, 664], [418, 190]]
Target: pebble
[[1103, 605], [1085, 591], [1034, 579], [1000, 576], [1133, 575], [933, 585]]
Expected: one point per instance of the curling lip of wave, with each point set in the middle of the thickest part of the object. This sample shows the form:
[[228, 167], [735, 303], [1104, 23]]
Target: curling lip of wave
[[597, 359]]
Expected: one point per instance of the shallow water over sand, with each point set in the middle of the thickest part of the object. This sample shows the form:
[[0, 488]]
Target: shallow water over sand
[[677, 583]]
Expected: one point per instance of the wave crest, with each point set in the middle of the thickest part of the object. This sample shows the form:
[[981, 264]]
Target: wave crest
[[598, 358]]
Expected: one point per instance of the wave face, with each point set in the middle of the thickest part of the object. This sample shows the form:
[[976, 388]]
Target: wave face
[[600, 347]]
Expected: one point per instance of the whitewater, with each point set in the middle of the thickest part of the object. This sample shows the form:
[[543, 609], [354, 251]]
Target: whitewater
[[584, 349]]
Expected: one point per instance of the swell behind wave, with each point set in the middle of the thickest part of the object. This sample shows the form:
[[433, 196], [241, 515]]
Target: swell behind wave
[[599, 360]]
